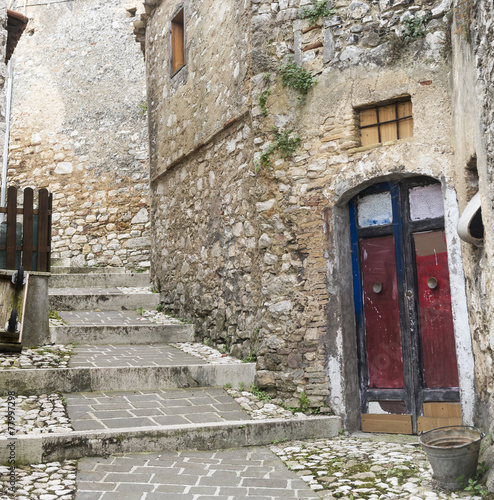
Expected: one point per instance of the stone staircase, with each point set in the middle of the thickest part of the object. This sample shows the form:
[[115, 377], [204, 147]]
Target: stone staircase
[[128, 390]]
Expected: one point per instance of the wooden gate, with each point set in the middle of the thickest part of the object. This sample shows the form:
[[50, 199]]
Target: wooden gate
[[25, 233]]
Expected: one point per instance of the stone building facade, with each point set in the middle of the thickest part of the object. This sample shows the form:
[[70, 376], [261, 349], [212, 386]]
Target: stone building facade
[[255, 244], [79, 129]]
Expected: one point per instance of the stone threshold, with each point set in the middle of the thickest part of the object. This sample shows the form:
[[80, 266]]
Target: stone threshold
[[30, 449], [93, 379]]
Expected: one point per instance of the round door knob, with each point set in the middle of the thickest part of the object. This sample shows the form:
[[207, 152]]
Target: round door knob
[[377, 287], [432, 283]]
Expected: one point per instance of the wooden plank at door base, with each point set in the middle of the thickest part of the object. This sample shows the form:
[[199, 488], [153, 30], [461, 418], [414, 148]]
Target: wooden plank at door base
[[428, 423], [442, 410], [439, 415], [386, 423]]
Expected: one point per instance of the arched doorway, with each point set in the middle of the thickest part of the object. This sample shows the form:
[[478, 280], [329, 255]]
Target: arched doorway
[[408, 372]]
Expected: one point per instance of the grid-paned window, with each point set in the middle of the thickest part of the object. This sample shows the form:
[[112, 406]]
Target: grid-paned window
[[386, 123], [178, 41]]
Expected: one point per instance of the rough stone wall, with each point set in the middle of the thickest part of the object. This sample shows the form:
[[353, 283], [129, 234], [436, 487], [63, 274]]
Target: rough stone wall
[[3, 72], [474, 170], [298, 302], [481, 278], [79, 129]]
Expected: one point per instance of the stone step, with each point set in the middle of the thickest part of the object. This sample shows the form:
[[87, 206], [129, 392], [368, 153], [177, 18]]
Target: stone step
[[127, 367], [102, 299], [122, 334], [164, 420], [102, 280], [86, 270]]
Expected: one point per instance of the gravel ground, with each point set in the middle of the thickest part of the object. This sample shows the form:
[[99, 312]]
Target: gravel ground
[[35, 415], [355, 468], [207, 353], [49, 356], [259, 409], [50, 481]]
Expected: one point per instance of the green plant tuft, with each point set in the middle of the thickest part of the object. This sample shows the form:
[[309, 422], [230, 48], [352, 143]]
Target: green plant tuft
[[143, 108], [284, 143], [414, 27], [263, 97], [318, 9], [296, 77], [303, 401], [476, 485], [259, 393]]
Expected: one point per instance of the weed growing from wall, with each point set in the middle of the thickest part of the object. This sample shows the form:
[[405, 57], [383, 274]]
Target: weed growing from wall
[[314, 12], [284, 143], [263, 97], [415, 27], [296, 77]]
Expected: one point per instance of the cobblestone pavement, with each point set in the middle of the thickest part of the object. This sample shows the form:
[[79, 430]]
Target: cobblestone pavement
[[358, 468], [130, 355], [49, 356], [50, 481], [115, 410], [345, 468], [207, 353], [35, 414], [255, 473]]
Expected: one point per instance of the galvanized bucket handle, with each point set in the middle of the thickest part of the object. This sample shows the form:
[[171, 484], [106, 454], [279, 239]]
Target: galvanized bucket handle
[[482, 435]]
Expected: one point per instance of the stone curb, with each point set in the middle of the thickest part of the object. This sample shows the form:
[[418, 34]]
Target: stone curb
[[87, 270], [98, 280], [120, 334], [92, 379], [103, 302], [57, 447]]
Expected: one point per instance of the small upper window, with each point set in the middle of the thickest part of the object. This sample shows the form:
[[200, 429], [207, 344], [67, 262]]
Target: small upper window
[[386, 122], [178, 41]]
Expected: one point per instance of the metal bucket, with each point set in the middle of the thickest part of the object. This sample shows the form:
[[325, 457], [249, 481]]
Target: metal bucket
[[453, 452]]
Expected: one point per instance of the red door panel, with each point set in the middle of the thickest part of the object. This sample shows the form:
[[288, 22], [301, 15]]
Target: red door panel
[[381, 313], [436, 321]]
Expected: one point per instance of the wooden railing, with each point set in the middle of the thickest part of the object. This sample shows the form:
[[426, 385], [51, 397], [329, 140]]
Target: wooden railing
[[27, 242]]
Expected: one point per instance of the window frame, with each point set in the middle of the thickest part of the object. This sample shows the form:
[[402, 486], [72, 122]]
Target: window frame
[[378, 124], [177, 41]]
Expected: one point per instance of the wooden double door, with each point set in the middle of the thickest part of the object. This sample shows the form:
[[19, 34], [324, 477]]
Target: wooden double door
[[406, 347]]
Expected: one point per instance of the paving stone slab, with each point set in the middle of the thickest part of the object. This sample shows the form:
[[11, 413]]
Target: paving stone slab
[[104, 356], [115, 410], [192, 475]]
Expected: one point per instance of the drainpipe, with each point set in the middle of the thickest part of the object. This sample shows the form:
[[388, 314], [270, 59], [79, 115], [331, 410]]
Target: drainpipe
[[10, 76], [10, 86]]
